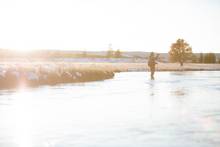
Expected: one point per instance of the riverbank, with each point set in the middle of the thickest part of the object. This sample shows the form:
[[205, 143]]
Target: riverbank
[[129, 67], [13, 75], [33, 75]]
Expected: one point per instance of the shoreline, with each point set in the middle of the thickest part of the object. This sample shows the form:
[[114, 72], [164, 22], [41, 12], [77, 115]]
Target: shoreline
[[49, 73], [129, 67], [20, 78]]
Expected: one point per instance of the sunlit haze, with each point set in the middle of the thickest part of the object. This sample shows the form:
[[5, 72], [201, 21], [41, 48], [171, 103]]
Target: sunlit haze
[[131, 25]]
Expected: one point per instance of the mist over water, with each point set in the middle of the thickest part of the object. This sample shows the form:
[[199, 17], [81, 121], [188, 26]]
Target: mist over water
[[178, 109]]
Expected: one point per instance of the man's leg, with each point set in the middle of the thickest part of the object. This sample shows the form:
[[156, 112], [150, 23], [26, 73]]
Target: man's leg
[[152, 74]]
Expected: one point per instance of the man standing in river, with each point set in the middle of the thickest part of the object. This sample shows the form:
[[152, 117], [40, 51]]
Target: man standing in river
[[151, 64]]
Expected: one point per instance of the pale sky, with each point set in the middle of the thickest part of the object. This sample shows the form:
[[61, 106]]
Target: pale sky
[[132, 25]]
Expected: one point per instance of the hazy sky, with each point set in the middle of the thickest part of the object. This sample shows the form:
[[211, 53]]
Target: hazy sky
[[133, 25]]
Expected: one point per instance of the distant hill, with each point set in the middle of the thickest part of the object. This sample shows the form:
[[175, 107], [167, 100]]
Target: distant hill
[[47, 54]]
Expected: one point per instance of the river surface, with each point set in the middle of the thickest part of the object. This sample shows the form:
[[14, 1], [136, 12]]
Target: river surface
[[178, 109]]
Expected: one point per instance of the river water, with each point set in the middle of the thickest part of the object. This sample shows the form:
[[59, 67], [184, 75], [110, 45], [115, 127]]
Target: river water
[[178, 109]]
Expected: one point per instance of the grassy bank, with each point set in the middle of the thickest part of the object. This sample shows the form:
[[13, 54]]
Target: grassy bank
[[14, 74], [124, 67], [32, 75]]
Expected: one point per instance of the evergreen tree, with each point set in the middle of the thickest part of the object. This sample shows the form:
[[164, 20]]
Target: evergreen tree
[[210, 58], [201, 58]]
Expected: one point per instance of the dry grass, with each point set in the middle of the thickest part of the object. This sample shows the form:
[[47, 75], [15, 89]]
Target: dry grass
[[124, 67], [12, 74], [111, 67]]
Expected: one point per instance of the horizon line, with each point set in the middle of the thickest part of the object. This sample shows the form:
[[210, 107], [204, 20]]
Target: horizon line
[[84, 50]]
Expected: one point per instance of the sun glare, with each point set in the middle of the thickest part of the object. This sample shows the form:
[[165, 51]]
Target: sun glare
[[23, 119], [24, 50]]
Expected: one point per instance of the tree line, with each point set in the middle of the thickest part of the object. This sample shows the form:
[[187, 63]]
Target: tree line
[[181, 52], [113, 54], [207, 58]]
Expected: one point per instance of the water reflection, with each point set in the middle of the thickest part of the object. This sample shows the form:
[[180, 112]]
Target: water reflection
[[152, 88], [129, 110], [21, 114], [179, 92]]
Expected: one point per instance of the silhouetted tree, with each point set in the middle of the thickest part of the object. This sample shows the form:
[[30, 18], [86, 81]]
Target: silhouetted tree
[[118, 54], [180, 51], [210, 58], [201, 58]]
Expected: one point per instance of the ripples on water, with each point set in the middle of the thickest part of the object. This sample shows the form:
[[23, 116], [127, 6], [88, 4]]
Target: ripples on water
[[177, 109]]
